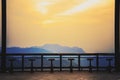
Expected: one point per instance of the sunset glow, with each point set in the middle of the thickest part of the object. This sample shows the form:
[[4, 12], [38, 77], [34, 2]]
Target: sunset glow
[[88, 24]]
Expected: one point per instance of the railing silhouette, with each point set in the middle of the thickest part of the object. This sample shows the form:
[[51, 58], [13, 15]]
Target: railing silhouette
[[53, 61]]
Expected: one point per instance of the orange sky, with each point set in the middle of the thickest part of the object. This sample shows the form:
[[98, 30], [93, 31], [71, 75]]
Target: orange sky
[[88, 24]]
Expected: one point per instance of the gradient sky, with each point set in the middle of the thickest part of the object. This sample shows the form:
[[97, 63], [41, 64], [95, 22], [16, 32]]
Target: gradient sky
[[88, 24]]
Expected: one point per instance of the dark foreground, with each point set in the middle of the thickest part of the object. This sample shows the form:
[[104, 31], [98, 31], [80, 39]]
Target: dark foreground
[[84, 75]]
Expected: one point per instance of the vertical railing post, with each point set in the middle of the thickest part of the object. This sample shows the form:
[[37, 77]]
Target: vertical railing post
[[41, 62], [60, 62], [71, 66], [79, 62], [31, 66], [11, 65], [109, 67], [22, 63], [51, 61], [97, 61], [90, 64]]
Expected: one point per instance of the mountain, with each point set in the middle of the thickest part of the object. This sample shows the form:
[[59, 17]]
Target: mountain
[[26, 50], [55, 48], [47, 48]]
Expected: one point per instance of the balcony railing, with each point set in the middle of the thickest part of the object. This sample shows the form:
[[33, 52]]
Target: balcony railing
[[59, 62]]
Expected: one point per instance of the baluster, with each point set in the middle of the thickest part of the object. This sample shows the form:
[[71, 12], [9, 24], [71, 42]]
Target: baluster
[[32, 60], [51, 60], [109, 64], [11, 65], [41, 63], [90, 65], [22, 63], [79, 63], [71, 67], [60, 62], [97, 61]]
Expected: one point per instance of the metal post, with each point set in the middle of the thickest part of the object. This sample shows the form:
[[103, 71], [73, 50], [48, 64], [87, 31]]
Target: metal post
[[51, 60], [11, 66], [32, 67], [71, 67], [11, 60], [79, 62], [97, 61], [51, 65], [22, 63], [31, 60], [41, 63], [90, 64], [60, 62], [109, 68]]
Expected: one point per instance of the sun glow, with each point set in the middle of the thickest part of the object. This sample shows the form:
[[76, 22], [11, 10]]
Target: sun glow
[[88, 24]]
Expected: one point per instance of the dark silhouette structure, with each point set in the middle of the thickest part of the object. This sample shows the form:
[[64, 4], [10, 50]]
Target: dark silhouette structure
[[3, 58], [11, 65], [32, 60], [117, 53], [71, 67], [51, 60], [13, 59], [109, 64], [90, 64]]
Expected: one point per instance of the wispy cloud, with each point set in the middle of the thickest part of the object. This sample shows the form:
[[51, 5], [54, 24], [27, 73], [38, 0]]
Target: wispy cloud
[[42, 5], [80, 7]]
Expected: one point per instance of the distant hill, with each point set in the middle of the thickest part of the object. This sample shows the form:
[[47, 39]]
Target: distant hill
[[26, 50], [55, 48], [47, 48]]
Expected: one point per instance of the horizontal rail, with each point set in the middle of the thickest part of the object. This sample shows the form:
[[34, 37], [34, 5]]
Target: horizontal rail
[[87, 54], [43, 57]]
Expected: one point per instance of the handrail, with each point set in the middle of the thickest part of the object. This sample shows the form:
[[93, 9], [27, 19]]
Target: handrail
[[61, 57]]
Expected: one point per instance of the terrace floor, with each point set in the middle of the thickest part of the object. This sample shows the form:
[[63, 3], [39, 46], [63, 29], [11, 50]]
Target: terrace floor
[[65, 75]]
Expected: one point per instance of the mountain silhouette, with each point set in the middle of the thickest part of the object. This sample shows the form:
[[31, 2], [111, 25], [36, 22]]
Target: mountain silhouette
[[26, 50], [55, 48], [47, 48]]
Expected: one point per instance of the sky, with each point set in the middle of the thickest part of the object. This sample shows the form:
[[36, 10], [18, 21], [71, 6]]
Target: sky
[[88, 24]]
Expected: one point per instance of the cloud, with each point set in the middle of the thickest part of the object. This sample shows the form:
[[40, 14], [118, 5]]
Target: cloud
[[81, 7], [42, 6]]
